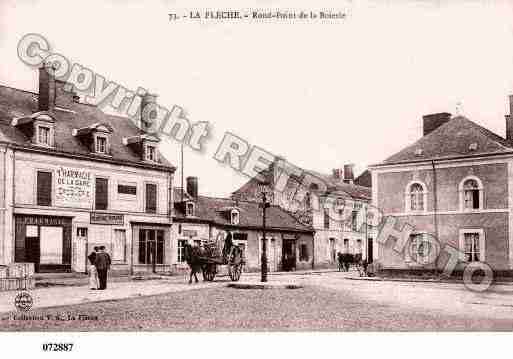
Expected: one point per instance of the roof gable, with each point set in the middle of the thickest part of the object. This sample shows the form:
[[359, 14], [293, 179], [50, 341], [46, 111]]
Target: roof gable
[[456, 138]]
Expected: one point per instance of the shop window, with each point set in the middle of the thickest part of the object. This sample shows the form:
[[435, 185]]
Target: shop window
[[303, 252], [119, 245], [151, 198], [151, 246], [51, 244], [44, 188], [346, 245], [181, 250], [359, 246], [102, 193]]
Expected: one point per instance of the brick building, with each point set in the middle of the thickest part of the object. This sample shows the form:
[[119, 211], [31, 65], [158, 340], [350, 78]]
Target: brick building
[[455, 184], [333, 206], [199, 218], [73, 177]]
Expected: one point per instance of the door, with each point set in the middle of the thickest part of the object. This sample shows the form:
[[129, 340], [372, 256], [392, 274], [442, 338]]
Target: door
[[332, 250], [32, 248], [80, 251], [289, 255], [369, 251]]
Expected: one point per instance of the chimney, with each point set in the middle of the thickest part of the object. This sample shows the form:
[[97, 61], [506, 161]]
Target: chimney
[[147, 99], [192, 186], [46, 99], [432, 121], [348, 173], [338, 174], [509, 120]]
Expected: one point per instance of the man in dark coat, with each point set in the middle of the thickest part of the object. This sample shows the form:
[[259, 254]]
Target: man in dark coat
[[102, 265]]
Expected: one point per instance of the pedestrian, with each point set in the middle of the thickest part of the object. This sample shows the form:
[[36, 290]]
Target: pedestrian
[[93, 273], [102, 264]]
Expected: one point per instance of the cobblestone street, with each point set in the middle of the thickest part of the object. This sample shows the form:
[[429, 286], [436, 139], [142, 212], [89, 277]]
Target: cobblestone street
[[327, 301]]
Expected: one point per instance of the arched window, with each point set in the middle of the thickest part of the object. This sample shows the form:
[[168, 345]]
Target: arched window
[[471, 194], [416, 196], [235, 217]]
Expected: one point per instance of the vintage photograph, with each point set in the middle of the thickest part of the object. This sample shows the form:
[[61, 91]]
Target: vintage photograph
[[272, 166]]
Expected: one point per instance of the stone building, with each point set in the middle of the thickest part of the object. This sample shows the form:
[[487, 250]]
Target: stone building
[[200, 218], [332, 205], [455, 185], [73, 177]]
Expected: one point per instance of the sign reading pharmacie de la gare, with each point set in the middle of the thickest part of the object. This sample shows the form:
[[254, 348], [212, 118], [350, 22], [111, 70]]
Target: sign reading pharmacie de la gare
[[73, 187]]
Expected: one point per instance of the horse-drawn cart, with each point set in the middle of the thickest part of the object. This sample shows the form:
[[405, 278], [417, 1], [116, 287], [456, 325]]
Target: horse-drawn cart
[[210, 257]]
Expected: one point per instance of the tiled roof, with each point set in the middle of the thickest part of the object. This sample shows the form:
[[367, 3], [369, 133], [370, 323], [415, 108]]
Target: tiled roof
[[214, 210], [17, 103], [456, 138]]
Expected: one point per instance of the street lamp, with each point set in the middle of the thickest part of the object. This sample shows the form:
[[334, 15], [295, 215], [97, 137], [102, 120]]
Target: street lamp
[[263, 188]]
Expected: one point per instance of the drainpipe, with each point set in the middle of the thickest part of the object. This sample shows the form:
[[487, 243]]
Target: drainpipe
[[435, 204]]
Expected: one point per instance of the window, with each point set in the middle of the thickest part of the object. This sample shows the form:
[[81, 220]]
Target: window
[[354, 221], [420, 248], [471, 194], [151, 198], [51, 244], [181, 250], [303, 252], [346, 245], [472, 244], [43, 135], [82, 232], [189, 210], [102, 193], [416, 197], [359, 246], [308, 202], [44, 188], [326, 218], [101, 144], [151, 153], [151, 246], [119, 245], [127, 189], [235, 217]]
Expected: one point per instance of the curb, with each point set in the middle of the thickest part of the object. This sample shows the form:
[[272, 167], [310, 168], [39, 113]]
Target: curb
[[268, 285]]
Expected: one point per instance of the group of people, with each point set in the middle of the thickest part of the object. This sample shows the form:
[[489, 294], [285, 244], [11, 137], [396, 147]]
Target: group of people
[[99, 265]]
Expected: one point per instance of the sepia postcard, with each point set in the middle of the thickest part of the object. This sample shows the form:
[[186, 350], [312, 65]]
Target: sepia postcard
[[299, 171]]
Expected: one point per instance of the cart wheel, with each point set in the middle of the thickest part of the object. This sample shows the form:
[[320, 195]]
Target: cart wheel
[[235, 271]]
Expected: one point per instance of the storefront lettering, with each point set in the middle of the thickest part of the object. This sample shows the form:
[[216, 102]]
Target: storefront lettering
[[73, 187]]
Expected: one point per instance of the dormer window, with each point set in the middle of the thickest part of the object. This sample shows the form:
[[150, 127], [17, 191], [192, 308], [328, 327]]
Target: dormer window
[[43, 135], [235, 217], [101, 144], [189, 209], [151, 153]]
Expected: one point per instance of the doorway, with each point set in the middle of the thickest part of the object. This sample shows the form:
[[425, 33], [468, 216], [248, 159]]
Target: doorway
[[289, 255], [369, 251]]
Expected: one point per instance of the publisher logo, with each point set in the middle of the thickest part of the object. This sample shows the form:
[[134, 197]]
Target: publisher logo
[[23, 301]]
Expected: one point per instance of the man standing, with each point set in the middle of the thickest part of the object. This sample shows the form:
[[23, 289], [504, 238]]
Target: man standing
[[102, 264]]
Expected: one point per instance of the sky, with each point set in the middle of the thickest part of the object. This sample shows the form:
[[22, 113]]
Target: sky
[[320, 94]]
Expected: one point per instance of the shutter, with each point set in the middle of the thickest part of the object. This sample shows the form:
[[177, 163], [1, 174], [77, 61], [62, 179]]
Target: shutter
[[44, 188], [102, 193], [151, 198]]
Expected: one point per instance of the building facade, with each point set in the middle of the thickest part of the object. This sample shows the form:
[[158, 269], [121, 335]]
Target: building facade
[[197, 219], [73, 177], [332, 205], [454, 185]]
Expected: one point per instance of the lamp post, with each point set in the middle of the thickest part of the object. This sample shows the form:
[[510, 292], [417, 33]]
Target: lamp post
[[263, 188]]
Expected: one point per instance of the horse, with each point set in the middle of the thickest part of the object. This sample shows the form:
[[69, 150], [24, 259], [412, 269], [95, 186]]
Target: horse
[[192, 257]]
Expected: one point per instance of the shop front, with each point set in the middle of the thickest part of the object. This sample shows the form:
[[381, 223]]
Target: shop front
[[44, 241], [151, 250]]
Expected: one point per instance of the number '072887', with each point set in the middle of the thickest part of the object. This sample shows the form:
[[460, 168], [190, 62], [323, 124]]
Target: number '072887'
[[57, 347]]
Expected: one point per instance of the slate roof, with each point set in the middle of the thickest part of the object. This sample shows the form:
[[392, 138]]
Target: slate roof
[[17, 103], [452, 139], [214, 210], [353, 191]]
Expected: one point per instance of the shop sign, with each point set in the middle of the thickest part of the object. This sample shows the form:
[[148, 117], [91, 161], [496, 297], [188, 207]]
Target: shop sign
[[107, 218], [73, 187], [189, 233]]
